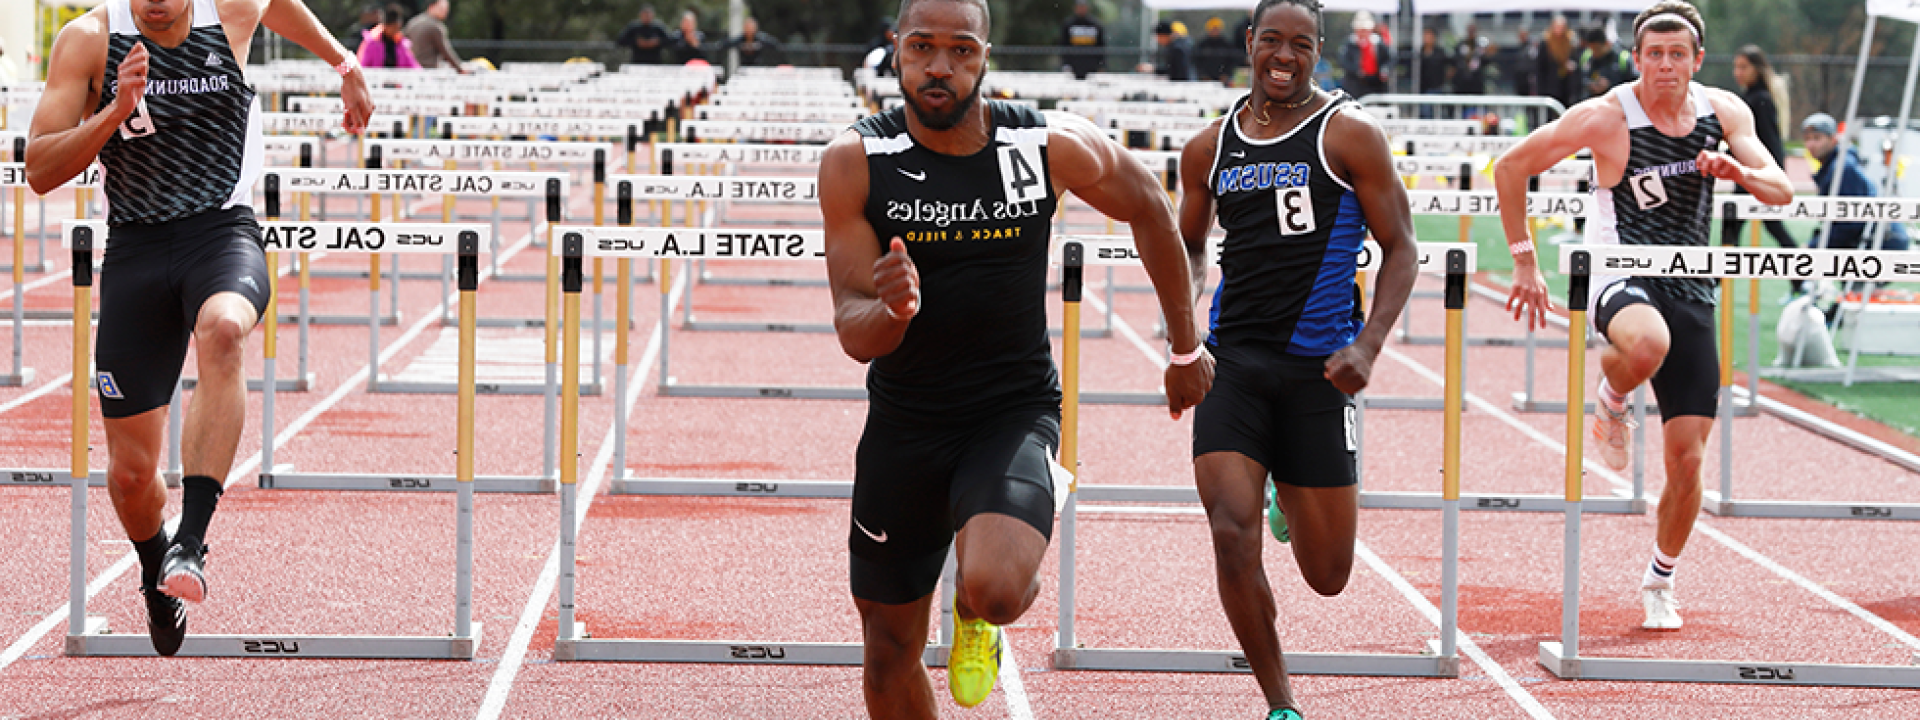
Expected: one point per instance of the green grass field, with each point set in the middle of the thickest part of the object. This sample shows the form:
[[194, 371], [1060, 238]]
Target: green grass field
[[1896, 404]]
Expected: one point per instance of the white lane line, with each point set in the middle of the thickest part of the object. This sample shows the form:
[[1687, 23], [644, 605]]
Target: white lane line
[[500, 687], [1520, 695], [113, 572], [1467, 646], [1018, 708], [35, 394], [1621, 486]]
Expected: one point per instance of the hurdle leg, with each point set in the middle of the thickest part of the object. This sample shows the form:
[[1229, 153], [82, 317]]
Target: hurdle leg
[[622, 316], [1070, 288], [1563, 658], [469, 281], [569, 427], [1726, 386], [78, 624], [21, 375], [1456, 373], [270, 352], [373, 311]]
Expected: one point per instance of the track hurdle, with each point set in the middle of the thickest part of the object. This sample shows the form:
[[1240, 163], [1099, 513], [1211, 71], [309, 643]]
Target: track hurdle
[[16, 142], [1563, 658], [573, 642], [369, 238], [1440, 657], [90, 637], [13, 175]]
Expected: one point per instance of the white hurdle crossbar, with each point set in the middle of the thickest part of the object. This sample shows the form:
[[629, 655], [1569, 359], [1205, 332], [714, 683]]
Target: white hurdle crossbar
[[89, 636], [1563, 658]]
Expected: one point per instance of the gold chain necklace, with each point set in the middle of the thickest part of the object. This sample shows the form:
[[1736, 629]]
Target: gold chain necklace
[[1266, 118]]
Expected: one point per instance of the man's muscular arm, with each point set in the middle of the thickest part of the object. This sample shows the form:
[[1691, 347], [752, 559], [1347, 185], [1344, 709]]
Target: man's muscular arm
[[292, 19], [1196, 214], [1094, 167], [875, 296], [1750, 165], [1356, 146], [66, 135]]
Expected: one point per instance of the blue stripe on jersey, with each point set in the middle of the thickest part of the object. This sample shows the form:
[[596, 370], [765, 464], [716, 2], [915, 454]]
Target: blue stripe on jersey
[[1213, 316], [1327, 323]]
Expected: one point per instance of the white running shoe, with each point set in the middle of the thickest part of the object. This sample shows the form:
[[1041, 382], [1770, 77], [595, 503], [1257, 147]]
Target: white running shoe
[[1610, 434], [1663, 609]]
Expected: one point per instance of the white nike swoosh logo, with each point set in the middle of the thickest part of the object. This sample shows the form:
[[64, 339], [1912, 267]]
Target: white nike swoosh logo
[[1237, 154], [882, 537], [920, 177]]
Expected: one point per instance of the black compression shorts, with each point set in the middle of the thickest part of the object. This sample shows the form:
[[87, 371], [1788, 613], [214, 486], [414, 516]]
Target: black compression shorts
[[1280, 411], [152, 283], [1688, 381], [916, 484]]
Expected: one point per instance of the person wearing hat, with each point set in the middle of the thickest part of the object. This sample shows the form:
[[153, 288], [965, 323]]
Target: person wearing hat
[[1176, 51], [1819, 132], [1367, 60], [644, 38], [1604, 65], [1216, 56]]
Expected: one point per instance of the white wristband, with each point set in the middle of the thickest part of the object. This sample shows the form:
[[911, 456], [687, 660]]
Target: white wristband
[[347, 65], [1524, 247], [1186, 358]]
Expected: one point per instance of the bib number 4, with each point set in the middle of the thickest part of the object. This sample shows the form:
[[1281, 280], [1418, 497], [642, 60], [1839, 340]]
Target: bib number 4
[[1023, 173]]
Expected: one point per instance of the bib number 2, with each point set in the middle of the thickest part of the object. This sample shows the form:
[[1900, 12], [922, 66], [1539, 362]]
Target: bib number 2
[[139, 124], [1296, 210]]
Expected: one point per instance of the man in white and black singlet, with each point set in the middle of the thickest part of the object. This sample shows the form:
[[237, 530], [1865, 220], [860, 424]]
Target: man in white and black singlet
[[1656, 154], [937, 229], [1297, 177], [157, 90]]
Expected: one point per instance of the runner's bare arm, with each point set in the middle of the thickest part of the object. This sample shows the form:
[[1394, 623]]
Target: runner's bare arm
[[1197, 201], [66, 135], [292, 19], [1750, 165], [1357, 149], [1091, 165], [1547, 145], [856, 268]]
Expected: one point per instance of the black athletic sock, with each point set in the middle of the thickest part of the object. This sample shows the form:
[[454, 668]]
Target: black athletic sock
[[201, 494], [151, 551]]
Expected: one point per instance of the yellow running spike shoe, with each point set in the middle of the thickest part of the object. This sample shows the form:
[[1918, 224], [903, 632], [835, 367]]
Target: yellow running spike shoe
[[975, 661]]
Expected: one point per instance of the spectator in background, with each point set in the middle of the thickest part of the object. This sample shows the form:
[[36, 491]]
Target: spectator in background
[[369, 19], [1818, 132], [1754, 75], [1518, 64], [1176, 51], [755, 47], [644, 38], [880, 50], [1436, 68], [386, 45], [1216, 55], [687, 42], [1603, 65], [1367, 60], [1083, 42], [1556, 70], [1472, 66], [428, 34]]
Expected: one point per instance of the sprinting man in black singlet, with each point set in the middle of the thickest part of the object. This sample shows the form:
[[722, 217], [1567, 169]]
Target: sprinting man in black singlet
[[157, 90], [1656, 153], [1297, 177], [937, 233]]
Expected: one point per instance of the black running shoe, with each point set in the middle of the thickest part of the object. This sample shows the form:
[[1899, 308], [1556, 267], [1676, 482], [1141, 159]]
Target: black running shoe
[[166, 621], [183, 571]]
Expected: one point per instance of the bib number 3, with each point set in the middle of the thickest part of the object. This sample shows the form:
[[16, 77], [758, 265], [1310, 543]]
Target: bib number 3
[[1296, 210]]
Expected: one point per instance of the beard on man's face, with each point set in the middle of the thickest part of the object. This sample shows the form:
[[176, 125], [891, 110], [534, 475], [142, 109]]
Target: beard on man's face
[[951, 117]]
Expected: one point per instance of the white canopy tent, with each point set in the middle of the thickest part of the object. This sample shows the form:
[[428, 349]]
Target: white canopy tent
[[1435, 7], [1375, 6]]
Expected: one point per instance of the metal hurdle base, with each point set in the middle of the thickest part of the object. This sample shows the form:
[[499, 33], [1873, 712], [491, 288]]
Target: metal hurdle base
[[283, 478], [766, 327], [1431, 664], [64, 478], [98, 641], [17, 380], [586, 649], [1802, 509], [388, 385], [1373, 499], [1555, 661], [673, 388], [732, 487], [1522, 403], [390, 320]]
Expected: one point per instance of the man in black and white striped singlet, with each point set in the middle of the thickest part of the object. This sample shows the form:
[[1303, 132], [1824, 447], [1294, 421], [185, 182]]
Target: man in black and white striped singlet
[[157, 90], [1656, 154]]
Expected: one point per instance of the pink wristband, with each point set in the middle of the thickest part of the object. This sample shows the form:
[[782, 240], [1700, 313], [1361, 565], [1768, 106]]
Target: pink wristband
[[1187, 358], [348, 65]]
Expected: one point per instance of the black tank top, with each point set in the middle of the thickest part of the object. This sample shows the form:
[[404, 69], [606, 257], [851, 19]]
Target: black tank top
[[1294, 233], [1661, 199], [977, 228], [198, 146]]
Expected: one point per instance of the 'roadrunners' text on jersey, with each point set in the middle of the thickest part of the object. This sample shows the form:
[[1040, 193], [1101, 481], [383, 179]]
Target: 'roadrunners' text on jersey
[[977, 229], [1294, 233], [196, 144], [1662, 198]]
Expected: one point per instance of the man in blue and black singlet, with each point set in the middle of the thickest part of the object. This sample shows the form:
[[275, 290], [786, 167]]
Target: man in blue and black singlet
[[937, 219], [157, 90], [1655, 144], [1297, 177]]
